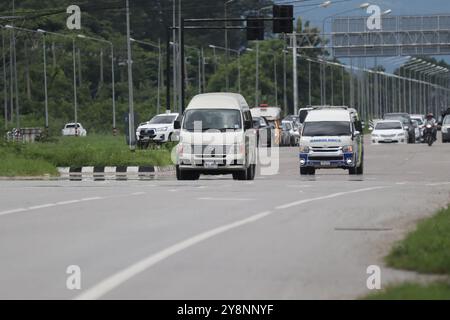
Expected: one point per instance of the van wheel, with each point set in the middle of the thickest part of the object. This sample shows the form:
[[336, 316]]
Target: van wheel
[[251, 172], [305, 171], [240, 175], [186, 175]]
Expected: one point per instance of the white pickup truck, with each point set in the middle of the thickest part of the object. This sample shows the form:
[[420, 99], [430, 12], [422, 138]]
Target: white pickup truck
[[74, 129]]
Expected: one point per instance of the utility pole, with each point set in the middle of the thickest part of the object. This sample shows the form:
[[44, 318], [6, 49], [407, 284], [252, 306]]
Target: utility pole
[[130, 84], [284, 82], [75, 101], [45, 81], [181, 59], [275, 79], [309, 83], [294, 69], [257, 75], [175, 57], [5, 90]]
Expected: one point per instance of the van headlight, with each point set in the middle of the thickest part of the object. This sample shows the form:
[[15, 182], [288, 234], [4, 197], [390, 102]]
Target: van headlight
[[304, 149], [347, 149], [238, 148], [162, 129]]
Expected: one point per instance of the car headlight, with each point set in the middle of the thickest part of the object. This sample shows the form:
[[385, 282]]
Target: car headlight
[[401, 134], [162, 129], [375, 135], [304, 149], [347, 149]]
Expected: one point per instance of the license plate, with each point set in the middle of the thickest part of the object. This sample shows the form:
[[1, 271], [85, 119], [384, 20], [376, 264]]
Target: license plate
[[388, 140], [210, 164], [325, 163]]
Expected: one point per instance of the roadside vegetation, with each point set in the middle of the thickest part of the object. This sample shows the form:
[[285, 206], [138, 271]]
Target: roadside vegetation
[[425, 250], [40, 158]]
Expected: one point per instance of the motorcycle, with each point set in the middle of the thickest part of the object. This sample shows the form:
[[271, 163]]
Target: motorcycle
[[428, 136]]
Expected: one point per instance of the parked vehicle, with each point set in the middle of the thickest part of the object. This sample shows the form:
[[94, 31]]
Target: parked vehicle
[[389, 131], [420, 119], [159, 129], [445, 129], [329, 139], [286, 128], [273, 117], [292, 118], [406, 120], [292, 129], [74, 129], [263, 132], [216, 137]]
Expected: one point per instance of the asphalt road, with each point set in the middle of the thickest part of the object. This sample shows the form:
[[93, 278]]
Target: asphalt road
[[278, 237]]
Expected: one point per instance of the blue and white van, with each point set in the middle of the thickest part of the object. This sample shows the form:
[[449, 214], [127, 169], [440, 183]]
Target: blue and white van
[[330, 139]]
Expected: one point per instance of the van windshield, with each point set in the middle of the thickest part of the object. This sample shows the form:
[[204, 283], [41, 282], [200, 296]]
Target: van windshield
[[326, 128], [212, 119]]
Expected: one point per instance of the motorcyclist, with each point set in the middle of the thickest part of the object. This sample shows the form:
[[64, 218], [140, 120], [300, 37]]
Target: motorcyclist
[[430, 120]]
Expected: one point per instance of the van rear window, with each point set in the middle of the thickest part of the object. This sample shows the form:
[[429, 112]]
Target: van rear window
[[326, 128]]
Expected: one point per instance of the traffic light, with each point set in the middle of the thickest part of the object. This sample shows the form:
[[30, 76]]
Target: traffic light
[[255, 28], [283, 16]]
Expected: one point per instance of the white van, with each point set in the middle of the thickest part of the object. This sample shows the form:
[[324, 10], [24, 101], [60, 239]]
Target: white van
[[216, 137], [330, 139]]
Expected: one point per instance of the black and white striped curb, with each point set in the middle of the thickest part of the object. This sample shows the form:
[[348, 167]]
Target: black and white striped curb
[[115, 173]]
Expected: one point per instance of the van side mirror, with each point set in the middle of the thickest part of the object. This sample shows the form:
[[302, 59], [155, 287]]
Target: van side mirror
[[356, 133], [177, 124], [248, 125]]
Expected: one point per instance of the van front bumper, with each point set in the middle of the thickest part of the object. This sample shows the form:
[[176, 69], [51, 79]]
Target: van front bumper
[[341, 160], [226, 163]]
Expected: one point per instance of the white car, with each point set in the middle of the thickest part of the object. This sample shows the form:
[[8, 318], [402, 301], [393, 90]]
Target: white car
[[445, 129], [389, 131], [420, 119], [74, 129], [159, 128]]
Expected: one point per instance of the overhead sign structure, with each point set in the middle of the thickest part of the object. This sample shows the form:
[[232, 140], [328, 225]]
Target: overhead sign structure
[[398, 36]]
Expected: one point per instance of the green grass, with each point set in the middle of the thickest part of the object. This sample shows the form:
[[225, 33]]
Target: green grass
[[427, 249], [95, 150], [413, 291]]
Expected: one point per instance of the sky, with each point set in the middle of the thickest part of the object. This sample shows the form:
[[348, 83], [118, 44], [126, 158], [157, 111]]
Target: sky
[[316, 15]]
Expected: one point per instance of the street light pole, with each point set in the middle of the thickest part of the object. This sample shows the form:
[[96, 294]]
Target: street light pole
[[131, 128], [157, 46], [238, 57], [45, 80], [75, 102], [113, 96], [5, 91]]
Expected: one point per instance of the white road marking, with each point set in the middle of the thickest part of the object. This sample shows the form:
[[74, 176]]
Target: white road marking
[[137, 193], [117, 279], [226, 199], [47, 205], [334, 195], [12, 211], [67, 202], [91, 199], [438, 184]]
